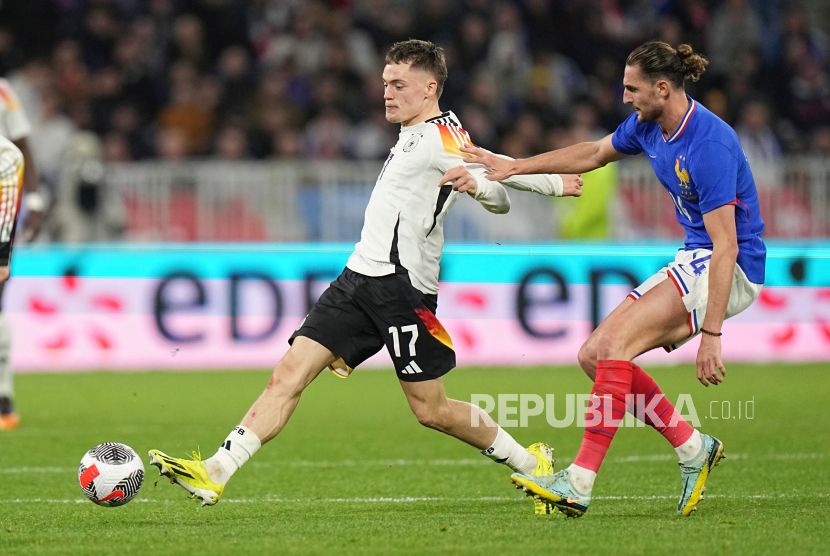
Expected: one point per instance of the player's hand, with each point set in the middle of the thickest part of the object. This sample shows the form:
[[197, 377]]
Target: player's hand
[[4, 273], [32, 226], [571, 185], [462, 180], [500, 168], [709, 361]]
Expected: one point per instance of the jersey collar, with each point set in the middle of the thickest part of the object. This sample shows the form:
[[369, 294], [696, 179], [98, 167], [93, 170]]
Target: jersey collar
[[682, 126], [446, 118]]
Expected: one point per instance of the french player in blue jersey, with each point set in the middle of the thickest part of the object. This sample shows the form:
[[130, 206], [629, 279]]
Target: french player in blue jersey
[[717, 274]]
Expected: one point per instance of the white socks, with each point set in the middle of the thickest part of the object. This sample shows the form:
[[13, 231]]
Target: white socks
[[690, 449], [5, 364], [237, 448], [509, 452], [582, 479]]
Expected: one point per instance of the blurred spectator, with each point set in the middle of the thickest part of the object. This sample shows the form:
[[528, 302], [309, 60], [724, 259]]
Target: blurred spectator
[[797, 32], [373, 138], [757, 138], [809, 95], [356, 45], [508, 57], [326, 136], [172, 144], [231, 143], [50, 135], [735, 27], [305, 47], [435, 21], [717, 103], [761, 146], [480, 127], [473, 41], [126, 122], [116, 148], [584, 122], [187, 114], [237, 79], [821, 142], [189, 41], [297, 76], [693, 17], [288, 145], [29, 81], [97, 37], [85, 208]]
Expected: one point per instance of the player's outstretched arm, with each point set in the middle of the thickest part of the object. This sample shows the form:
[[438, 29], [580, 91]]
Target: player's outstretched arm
[[470, 179], [720, 225], [576, 159], [551, 185]]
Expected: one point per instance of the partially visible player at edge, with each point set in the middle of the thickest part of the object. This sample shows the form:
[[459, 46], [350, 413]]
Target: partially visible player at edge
[[387, 293], [717, 274], [15, 126]]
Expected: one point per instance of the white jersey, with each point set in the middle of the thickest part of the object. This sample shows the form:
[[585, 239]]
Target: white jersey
[[14, 124], [403, 229], [11, 183]]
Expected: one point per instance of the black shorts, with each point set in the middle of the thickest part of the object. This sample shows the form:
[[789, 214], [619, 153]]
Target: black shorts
[[357, 315]]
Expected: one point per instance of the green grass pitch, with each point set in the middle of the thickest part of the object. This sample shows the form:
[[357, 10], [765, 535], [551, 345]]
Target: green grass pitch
[[354, 473]]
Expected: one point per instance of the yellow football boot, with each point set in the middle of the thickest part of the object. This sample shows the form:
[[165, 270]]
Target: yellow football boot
[[544, 466], [191, 475], [695, 473]]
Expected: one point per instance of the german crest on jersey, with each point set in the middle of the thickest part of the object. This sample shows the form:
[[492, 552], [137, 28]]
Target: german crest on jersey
[[412, 143]]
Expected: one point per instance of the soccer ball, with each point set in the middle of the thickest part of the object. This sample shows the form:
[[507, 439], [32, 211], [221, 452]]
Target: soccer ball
[[111, 474]]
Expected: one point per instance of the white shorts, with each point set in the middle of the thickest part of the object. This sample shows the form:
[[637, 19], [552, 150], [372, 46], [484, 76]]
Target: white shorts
[[690, 273]]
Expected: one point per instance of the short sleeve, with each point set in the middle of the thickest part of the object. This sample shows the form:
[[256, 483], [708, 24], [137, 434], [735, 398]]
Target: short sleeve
[[13, 121], [715, 174], [625, 139]]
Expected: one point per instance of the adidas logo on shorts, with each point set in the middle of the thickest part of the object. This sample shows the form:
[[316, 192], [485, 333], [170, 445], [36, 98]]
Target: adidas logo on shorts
[[412, 369]]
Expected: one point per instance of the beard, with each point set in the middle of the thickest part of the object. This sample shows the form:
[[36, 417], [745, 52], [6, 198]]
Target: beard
[[648, 114]]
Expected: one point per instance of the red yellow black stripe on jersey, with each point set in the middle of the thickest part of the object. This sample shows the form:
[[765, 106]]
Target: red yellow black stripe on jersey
[[453, 138]]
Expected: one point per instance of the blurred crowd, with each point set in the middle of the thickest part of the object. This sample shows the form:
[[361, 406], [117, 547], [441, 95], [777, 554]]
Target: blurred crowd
[[257, 79]]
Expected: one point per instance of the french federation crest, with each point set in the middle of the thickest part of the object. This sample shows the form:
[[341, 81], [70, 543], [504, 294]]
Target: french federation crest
[[682, 174]]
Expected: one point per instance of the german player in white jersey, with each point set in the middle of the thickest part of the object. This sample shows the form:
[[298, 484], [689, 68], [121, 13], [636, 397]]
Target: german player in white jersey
[[386, 296], [15, 127], [11, 185]]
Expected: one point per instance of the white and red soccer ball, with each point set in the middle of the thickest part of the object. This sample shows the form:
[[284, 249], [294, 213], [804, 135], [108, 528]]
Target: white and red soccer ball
[[111, 474]]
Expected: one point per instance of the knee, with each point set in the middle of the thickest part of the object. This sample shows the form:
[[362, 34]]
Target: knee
[[610, 344], [430, 417], [587, 358], [288, 375]]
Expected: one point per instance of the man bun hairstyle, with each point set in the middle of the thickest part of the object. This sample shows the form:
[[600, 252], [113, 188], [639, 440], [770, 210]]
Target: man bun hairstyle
[[422, 55], [658, 60]]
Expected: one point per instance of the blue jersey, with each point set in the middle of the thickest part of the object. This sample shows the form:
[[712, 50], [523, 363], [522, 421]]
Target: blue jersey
[[703, 167]]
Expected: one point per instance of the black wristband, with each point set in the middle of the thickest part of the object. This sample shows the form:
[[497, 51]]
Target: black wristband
[[717, 335]]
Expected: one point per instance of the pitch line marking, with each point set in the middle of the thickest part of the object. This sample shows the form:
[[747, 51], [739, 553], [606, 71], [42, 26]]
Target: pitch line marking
[[432, 462], [410, 499]]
